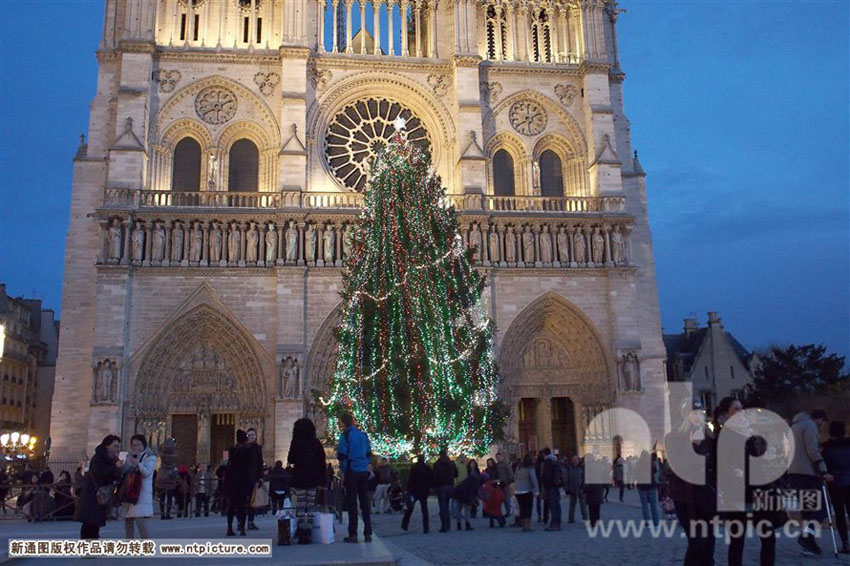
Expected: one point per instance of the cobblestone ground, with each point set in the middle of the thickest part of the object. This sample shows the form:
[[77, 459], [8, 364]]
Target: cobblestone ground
[[572, 545]]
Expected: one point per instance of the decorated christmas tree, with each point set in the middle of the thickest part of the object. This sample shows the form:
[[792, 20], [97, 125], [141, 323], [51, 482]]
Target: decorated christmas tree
[[415, 363]]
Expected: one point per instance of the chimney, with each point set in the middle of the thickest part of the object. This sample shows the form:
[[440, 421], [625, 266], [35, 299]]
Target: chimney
[[713, 319], [690, 326]]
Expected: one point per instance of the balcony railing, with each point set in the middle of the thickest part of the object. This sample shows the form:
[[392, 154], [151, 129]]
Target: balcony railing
[[130, 198]]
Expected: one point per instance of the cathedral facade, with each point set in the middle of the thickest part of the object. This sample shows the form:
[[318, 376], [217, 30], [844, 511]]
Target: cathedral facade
[[227, 151]]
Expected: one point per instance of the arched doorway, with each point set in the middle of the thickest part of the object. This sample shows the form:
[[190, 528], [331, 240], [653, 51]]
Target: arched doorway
[[198, 381], [555, 375]]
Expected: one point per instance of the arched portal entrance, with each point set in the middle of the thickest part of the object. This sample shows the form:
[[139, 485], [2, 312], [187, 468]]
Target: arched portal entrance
[[555, 375], [199, 380], [321, 365]]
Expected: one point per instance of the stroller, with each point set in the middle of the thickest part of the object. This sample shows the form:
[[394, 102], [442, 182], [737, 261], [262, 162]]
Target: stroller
[[396, 497]]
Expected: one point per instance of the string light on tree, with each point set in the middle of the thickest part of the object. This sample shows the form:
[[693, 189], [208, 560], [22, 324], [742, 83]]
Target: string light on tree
[[415, 363]]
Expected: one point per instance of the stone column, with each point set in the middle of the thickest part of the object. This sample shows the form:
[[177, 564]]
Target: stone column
[[301, 244], [363, 27], [243, 243], [571, 234], [281, 244], [544, 422], [434, 48], [349, 48], [417, 14], [261, 244], [320, 244], [338, 243], [320, 34], [376, 26], [148, 237], [606, 231], [498, 32], [187, 243], [166, 255], [522, 32], [538, 257], [204, 436], [391, 46], [335, 5]]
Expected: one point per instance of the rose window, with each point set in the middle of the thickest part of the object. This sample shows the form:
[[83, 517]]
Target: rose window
[[360, 131], [215, 105]]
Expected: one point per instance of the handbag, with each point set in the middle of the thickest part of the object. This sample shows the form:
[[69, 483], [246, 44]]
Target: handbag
[[131, 488], [103, 495]]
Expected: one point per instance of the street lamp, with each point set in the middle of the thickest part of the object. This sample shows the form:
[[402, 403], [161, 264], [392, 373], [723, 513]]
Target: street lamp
[[17, 443]]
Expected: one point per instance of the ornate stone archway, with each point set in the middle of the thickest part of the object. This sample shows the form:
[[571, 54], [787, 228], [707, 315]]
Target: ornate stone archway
[[320, 367], [552, 352], [201, 364]]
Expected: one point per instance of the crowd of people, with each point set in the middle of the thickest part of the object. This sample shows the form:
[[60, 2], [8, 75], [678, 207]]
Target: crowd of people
[[526, 488]]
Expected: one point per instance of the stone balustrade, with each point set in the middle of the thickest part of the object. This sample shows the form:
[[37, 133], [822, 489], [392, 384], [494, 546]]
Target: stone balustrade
[[323, 239], [116, 198]]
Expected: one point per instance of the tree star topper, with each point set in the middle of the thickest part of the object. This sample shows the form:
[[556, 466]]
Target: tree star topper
[[399, 124]]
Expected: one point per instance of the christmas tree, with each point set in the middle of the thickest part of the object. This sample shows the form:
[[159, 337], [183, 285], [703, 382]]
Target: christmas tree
[[415, 363]]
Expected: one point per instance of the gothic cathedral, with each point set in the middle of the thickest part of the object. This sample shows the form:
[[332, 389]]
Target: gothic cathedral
[[226, 155]]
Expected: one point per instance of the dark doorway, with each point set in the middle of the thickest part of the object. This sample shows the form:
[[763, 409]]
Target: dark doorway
[[244, 167], [503, 174], [563, 426], [186, 169], [184, 429], [551, 175], [527, 425], [222, 437]]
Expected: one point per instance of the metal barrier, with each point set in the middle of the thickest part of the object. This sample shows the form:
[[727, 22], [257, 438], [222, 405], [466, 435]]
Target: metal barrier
[[37, 502]]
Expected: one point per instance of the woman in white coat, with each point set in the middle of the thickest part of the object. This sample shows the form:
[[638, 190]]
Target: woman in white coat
[[142, 460]]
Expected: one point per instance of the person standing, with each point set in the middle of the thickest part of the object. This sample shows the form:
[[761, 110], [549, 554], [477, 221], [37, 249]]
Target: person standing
[[542, 503], [807, 471], [278, 485], [183, 491], [78, 481], [594, 491], [445, 473], [648, 492], [620, 475], [203, 488], [354, 452], [386, 476], [575, 489], [238, 481], [505, 475], [104, 471], [136, 514], [256, 471], [166, 477], [836, 454], [418, 487], [307, 458], [552, 483], [526, 488], [466, 493]]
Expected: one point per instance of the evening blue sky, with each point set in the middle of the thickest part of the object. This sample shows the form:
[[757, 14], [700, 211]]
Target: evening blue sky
[[739, 111]]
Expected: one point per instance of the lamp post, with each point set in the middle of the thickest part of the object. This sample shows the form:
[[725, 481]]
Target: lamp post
[[18, 445]]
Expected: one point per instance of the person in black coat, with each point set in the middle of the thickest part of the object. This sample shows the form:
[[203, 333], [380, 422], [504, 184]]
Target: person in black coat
[[238, 481], [418, 487], [307, 458], [466, 493], [104, 470], [278, 485], [594, 492], [256, 471]]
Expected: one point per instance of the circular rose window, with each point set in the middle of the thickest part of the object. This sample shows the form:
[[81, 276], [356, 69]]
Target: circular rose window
[[360, 131], [215, 105]]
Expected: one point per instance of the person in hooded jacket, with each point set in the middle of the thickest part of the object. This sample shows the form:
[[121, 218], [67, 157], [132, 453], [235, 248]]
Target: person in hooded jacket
[[104, 470], [307, 458], [418, 487], [836, 454]]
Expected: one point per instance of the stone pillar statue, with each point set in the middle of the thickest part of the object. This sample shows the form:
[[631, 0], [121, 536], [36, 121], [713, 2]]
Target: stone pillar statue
[[158, 242], [494, 248], [347, 240], [563, 247], [215, 242], [579, 247], [528, 246], [234, 244], [545, 245], [177, 242], [195, 243], [138, 243], [271, 245], [510, 246], [475, 242], [291, 243], [618, 247], [329, 242], [310, 241], [251, 239], [114, 239], [290, 379]]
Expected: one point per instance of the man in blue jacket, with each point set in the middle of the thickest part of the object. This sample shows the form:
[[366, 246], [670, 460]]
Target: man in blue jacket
[[354, 453]]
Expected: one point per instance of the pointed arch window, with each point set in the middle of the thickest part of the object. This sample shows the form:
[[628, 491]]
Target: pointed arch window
[[503, 174], [541, 36], [243, 166], [186, 170], [497, 33], [551, 174]]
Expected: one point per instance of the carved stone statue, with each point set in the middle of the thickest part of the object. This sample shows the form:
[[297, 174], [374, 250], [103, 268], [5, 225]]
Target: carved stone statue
[[310, 240], [579, 248], [631, 375], [289, 374], [291, 242], [271, 244], [329, 243], [347, 240], [545, 245], [114, 241], [212, 165], [234, 243], [510, 245], [104, 381], [528, 245], [215, 242], [196, 239], [158, 239], [138, 242], [563, 247], [475, 241], [598, 247], [177, 242], [495, 252], [618, 247], [252, 238]]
